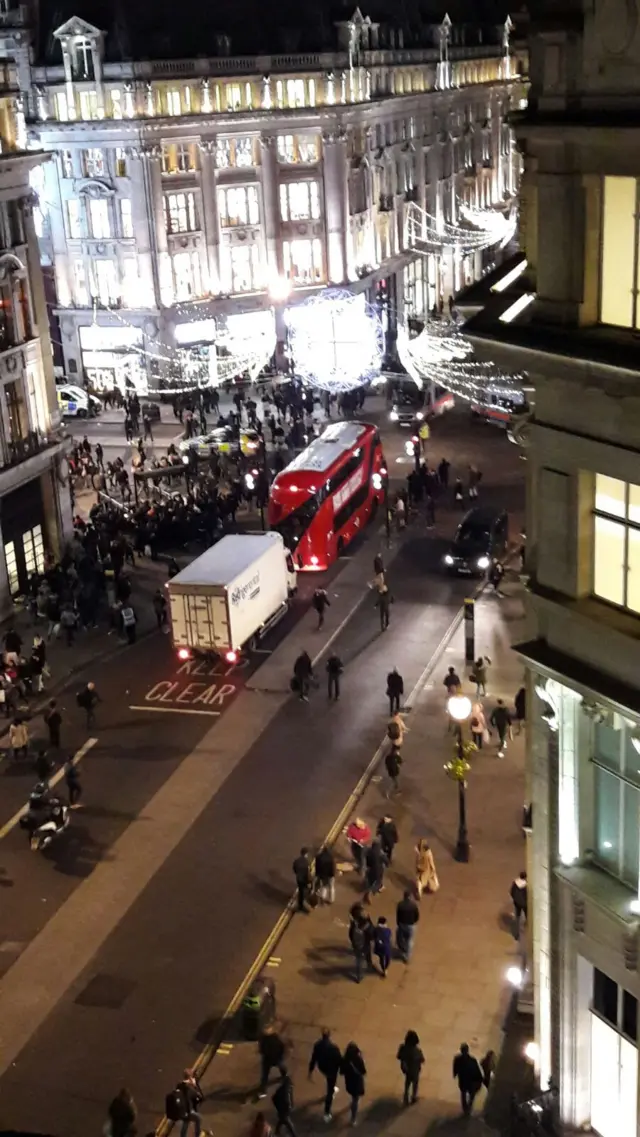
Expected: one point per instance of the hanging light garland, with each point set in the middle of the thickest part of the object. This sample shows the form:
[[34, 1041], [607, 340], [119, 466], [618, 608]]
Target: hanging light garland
[[491, 228], [336, 340], [440, 354]]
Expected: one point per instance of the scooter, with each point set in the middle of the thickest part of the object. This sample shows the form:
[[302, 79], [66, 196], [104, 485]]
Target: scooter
[[42, 837]]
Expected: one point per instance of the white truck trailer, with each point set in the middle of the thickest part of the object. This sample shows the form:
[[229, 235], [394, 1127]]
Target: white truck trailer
[[225, 600]]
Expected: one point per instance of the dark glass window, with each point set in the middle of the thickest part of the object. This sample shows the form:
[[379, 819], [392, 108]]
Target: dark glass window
[[629, 1016], [605, 996]]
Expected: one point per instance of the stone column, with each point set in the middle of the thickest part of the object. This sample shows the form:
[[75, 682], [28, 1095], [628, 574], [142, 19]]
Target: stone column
[[271, 206], [336, 203], [210, 213], [163, 282], [144, 243]]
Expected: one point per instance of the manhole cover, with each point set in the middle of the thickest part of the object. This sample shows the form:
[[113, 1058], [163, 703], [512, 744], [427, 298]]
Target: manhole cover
[[108, 991]]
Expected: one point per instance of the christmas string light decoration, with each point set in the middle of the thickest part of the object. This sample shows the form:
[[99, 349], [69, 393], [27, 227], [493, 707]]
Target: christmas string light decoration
[[442, 355], [491, 228], [336, 340]]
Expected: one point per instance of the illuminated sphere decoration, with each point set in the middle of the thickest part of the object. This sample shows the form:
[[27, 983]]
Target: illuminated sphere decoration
[[336, 340]]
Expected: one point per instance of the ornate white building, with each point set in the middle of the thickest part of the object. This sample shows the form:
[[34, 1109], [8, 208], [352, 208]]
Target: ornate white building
[[35, 507], [182, 191]]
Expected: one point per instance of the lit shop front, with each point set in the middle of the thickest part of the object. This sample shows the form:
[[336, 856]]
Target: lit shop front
[[196, 345], [114, 357]]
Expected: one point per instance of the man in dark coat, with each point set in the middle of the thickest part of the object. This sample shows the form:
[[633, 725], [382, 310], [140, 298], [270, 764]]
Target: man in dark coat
[[327, 1057], [376, 864], [407, 916], [302, 673], [283, 1104], [395, 690], [302, 873], [272, 1052], [467, 1070]]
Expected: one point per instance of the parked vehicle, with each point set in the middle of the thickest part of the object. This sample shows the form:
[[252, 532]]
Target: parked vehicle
[[411, 404], [222, 440], [225, 600], [481, 537], [46, 818], [74, 402]]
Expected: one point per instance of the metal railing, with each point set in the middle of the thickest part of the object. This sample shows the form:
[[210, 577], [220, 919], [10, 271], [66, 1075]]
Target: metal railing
[[23, 448]]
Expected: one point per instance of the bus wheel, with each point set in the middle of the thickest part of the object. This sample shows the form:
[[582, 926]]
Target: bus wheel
[[374, 509], [340, 546]]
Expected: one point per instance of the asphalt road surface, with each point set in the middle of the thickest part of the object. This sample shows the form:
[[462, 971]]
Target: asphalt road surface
[[147, 1000]]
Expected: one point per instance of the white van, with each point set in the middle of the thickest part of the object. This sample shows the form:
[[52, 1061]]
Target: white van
[[74, 401]]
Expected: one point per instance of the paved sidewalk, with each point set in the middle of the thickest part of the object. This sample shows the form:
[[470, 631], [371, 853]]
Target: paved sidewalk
[[455, 988]]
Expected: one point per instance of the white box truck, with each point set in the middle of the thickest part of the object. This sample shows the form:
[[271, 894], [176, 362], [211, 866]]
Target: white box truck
[[226, 599]]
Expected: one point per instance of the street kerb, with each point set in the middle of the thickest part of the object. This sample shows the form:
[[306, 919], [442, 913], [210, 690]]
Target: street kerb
[[206, 1056]]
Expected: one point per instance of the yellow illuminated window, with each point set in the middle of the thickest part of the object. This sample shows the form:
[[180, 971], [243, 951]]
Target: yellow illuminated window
[[620, 273], [616, 542]]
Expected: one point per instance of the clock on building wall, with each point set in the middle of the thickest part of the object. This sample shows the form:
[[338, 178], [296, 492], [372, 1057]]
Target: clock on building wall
[[617, 23]]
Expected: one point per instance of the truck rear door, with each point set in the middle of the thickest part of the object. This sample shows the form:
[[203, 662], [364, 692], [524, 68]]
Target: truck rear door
[[207, 626]]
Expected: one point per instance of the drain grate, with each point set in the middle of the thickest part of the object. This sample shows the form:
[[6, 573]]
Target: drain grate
[[108, 991]]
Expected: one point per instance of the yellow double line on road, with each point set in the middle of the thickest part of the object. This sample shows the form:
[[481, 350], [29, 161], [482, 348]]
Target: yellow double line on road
[[57, 777], [208, 1053]]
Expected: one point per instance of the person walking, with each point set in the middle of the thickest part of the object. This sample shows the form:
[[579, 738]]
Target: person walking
[[326, 875], [478, 725], [19, 739], [334, 671], [458, 494], [430, 511], [479, 676], [501, 721], [88, 698], [475, 477], [73, 783], [376, 863], [407, 917], [122, 1114], [302, 873], [146, 425], [383, 604], [411, 1061], [129, 621], [382, 945], [320, 602], [387, 833], [260, 1126], [452, 682], [426, 875], [496, 573], [357, 939], [393, 762], [354, 1073], [488, 1066], [272, 1052], [395, 690], [358, 836], [303, 674], [520, 707], [53, 722], [328, 1059], [160, 608], [443, 472], [192, 1096], [396, 730], [467, 1070], [519, 894], [283, 1104]]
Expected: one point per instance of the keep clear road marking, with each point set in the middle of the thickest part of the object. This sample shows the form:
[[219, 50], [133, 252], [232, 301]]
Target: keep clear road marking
[[192, 690], [57, 777], [175, 711]]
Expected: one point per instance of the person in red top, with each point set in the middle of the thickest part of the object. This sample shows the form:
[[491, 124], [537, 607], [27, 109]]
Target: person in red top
[[359, 836]]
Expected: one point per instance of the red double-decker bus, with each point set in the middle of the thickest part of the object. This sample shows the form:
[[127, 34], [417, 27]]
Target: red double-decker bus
[[326, 496]]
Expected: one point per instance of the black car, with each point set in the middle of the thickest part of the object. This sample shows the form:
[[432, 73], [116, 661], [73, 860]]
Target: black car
[[481, 538]]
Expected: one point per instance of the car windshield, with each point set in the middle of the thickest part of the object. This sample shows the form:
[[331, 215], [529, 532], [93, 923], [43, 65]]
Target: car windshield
[[472, 535]]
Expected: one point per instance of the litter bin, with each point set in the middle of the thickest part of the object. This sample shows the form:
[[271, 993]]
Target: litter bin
[[258, 1007]]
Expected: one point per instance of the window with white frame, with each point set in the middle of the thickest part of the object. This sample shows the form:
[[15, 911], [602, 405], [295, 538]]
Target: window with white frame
[[129, 108], [99, 217], [616, 542], [235, 153], [299, 201], [295, 93], [233, 94], [180, 212], [185, 157], [174, 102], [303, 261], [186, 275], [130, 282], [66, 162], [82, 60], [61, 106], [620, 251], [74, 214], [294, 148], [126, 217], [616, 763], [312, 92], [93, 163], [238, 205], [246, 269], [88, 105], [121, 162], [80, 289], [105, 281], [116, 103]]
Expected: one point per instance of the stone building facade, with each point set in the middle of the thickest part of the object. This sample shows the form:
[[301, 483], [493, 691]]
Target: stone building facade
[[184, 191]]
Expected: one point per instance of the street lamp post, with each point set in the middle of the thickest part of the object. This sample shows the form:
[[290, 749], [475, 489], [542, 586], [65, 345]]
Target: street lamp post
[[459, 708]]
